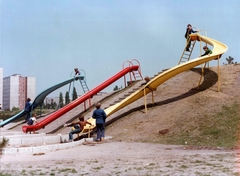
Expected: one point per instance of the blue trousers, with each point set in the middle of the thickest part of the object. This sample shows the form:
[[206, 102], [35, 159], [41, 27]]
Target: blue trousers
[[74, 132], [27, 116], [100, 131]]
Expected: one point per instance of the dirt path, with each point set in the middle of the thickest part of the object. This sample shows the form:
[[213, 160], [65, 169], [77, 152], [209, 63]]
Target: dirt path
[[124, 158]]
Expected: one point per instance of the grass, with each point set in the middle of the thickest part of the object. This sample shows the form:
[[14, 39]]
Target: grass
[[67, 170], [1, 174], [183, 166], [219, 130], [224, 129], [3, 144], [7, 114], [97, 168]]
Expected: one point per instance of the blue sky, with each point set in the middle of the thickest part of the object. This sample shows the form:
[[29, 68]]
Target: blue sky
[[47, 39]]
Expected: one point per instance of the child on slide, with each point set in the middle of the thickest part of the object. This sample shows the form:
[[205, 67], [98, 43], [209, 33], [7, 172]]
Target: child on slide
[[77, 127]]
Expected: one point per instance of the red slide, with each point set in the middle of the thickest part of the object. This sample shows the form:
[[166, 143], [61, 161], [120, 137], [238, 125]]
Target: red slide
[[78, 101]]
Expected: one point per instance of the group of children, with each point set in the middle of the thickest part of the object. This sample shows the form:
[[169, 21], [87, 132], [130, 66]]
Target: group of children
[[189, 31], [31, 120], [99, 113]]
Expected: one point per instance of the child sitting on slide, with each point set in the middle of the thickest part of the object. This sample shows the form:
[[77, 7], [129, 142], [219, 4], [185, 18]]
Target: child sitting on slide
[[207, 51], [77, 127]]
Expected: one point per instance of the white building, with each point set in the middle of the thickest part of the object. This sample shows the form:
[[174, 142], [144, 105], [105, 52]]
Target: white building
[[49, 100], [16, 90]]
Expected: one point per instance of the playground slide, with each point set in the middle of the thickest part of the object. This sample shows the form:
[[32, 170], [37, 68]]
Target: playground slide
[[218, 49], [78, 101], [38, 100]]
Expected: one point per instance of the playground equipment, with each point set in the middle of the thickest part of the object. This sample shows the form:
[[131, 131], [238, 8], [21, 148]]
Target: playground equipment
[[82, 79], [38, 100], [87, 96], [218, 49]]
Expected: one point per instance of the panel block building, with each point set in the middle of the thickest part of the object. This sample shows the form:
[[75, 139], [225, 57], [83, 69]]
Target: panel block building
[[16, 90]]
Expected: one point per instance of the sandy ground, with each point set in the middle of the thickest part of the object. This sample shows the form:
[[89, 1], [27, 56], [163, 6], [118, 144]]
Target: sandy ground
[[125, 158], [130, 157]]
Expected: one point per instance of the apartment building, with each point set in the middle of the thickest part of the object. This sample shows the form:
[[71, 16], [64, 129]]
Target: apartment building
[[16, 90]]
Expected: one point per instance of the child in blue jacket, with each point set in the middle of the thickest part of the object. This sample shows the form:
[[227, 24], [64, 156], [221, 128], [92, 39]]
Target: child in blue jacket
[[189, 31], [100, 116]]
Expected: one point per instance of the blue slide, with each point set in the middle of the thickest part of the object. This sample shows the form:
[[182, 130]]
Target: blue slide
[[38, 100]]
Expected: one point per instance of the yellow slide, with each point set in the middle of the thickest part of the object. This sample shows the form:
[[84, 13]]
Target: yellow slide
[[218, 49]]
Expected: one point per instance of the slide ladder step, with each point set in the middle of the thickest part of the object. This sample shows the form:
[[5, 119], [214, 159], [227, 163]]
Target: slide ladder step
[[84, 85], [187, 54], [137, 75]]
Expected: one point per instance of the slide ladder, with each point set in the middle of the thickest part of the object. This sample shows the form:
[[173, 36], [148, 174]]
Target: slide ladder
[[187, 54], [83, 84], [137, 74], [49, 119], [217, 51]]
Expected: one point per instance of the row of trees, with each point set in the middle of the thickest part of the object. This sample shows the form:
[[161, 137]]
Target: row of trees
[[61, 103], [117, 88], [67, 97], [53, 105]]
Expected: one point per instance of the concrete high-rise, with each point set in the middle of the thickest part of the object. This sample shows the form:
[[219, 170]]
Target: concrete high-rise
[[16, 90]]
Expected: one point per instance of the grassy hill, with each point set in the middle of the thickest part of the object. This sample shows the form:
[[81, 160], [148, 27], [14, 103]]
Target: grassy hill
[[182, 114]]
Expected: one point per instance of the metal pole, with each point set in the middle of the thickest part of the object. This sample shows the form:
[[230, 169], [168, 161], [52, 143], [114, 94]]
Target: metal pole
[[152, 98], [145, 100], [200, 80], [218, 75]]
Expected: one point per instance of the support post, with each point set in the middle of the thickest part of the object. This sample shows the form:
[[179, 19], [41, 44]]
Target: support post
[[219, 74], [90, 104], [84, 106], [152, 98], [145, 100], [89, 133], [201, 75]]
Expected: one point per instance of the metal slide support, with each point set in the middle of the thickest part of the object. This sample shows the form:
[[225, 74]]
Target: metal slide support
[[125, 82], [89, 132], [90, 104], [201, 75], [152, 98], [85, 105], [73, 87], [219, 74], [145, 100]]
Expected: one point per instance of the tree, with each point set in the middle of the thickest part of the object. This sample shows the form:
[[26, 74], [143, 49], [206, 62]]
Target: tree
[[67, 99], [74, 96], [48, 106], [229, 60], [54, 105], [60, 100], [115, 88]]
